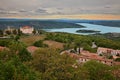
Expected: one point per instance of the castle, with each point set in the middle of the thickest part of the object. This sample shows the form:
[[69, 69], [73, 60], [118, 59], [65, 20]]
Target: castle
[[27, 29]]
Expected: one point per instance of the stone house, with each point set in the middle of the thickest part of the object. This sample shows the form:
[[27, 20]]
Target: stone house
[[107, 51]]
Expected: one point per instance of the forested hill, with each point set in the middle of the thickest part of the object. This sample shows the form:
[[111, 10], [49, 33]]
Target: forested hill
[[38, 24], [55, 23], [111, 23]]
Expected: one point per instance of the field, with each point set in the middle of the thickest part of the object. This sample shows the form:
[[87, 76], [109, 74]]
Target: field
[[54, 44], [29, 40]]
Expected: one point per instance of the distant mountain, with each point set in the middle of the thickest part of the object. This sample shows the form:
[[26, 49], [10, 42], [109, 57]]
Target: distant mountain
[[113, 36], [54, 23], [111, 23], [38, 24]]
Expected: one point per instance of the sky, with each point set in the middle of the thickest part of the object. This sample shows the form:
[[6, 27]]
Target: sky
[[73, 9]]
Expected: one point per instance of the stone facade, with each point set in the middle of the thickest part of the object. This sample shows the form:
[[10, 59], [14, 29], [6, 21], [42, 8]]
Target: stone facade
[[84, 58], [27, 30], [108, 51]]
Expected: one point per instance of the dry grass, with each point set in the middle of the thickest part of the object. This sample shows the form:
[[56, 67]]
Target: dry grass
[[29, 40], [54, 44]]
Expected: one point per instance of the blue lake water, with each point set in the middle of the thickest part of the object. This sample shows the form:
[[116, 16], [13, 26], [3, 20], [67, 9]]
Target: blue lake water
[[103, 29]]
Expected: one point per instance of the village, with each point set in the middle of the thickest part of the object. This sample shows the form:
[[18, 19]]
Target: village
[[59, 39], [23, 30], [38, 49], [103, 55]]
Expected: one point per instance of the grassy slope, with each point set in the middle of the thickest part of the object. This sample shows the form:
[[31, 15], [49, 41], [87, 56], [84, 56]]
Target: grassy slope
[[31, 39], [54, 44]]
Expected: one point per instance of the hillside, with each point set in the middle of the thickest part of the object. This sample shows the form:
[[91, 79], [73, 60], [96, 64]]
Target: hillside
[[55, 23], [111, 23], [22, 59], [38, 24]]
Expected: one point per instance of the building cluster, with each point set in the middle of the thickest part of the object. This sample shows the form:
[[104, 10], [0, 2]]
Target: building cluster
[[87, 56], [27, 29], [24, 30], [10, 30], [107, 51]]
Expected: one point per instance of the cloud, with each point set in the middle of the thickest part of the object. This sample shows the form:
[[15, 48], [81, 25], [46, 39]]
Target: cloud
[[8, 12], [13, 12], [23, 10], [59, 7], [107, 7], [1, 8], [41, 11], [3, 12]]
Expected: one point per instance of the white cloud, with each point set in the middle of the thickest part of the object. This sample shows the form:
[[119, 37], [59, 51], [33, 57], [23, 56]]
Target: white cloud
[[51, 7]]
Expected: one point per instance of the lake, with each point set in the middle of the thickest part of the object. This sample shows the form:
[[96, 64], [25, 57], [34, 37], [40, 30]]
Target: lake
[[103, 29]]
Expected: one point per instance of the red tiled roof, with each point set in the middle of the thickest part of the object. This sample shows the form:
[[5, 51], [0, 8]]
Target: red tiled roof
[[26, 27], [108, 50], [104, 48], [116, 63], [2, 48], [91, 57], [32, 49]]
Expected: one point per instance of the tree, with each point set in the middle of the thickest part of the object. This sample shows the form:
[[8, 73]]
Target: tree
[[8, 32], [5, 42], [16, 46], [17, 37], [1, 33], [117, 59], [40, 44], [45, 61], [53, 66], [19, 49], [99, 71], [66, 46], [110, 57], [19, 32], [12, 68], [34, 31], [24, 55], [116, 72], [14, 32]]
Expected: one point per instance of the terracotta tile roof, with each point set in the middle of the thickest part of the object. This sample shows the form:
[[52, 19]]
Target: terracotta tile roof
[[2, 48], [26, 27], [114, 57], [104, 48], [108, 50], [116, 63], [32, 49], [92, 55]]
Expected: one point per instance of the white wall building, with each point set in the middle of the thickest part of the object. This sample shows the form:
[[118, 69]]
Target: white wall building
[[27, 29], [101, 50]]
